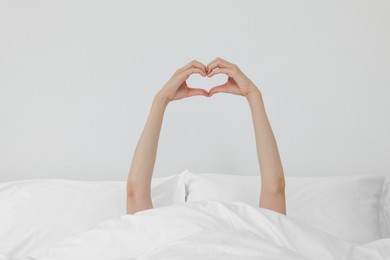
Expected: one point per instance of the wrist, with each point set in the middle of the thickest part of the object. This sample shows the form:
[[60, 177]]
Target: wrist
[[254, 95], [161, 99]]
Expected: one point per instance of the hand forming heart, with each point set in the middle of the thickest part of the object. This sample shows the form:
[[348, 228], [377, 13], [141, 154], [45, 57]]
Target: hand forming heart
[[237, 83]]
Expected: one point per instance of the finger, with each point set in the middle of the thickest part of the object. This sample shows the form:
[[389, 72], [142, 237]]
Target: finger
[[228, 71], [218, 64], [191, 71], [218, 89], [199, 66], [197, 92], [222, 62], [220, 59], [194, 64]]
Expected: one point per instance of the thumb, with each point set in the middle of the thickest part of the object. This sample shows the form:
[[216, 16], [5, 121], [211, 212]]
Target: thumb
[[197, 91], [218, 89]]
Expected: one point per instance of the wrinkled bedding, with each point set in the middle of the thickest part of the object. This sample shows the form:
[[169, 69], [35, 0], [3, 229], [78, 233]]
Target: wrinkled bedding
[[207, 230]]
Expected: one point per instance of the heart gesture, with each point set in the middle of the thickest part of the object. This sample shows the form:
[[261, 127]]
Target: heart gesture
[[272, 191], [237, 83]]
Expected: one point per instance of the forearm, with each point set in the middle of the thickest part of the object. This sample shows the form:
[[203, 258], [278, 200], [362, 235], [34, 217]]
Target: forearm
[[141, 170], [267, 151]]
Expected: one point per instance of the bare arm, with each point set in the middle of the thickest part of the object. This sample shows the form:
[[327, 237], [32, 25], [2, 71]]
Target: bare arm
[[141, 170], [272, 194], [272, 177]]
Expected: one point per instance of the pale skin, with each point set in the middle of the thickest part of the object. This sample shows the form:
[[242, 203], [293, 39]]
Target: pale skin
[[272, 195]]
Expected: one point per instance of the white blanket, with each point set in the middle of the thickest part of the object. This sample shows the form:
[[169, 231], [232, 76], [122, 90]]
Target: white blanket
[[208, 230]]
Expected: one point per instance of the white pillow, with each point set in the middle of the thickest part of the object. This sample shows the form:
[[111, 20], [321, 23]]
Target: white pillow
[[37, 213], [223, 187], [347, 206], [385, 209]]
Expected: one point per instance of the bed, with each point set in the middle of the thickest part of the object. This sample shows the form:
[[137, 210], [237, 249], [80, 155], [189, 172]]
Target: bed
[[196, 216]]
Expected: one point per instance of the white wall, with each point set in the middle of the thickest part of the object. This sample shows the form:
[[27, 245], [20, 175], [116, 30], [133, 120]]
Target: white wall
[[77, 79]]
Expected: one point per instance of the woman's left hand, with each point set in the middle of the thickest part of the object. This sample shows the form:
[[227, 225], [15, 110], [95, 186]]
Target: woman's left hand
[[237, 83]]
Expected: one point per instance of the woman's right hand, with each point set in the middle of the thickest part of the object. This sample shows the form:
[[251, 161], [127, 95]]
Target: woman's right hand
[[176, 88]]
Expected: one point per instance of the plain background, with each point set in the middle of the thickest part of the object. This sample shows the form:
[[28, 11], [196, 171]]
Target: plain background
[[77, 79]]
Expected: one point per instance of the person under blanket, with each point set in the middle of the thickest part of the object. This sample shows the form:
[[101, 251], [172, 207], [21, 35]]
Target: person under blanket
[[272, 195]]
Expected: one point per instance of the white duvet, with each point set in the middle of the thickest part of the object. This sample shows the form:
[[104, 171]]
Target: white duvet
[[207, 230]]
